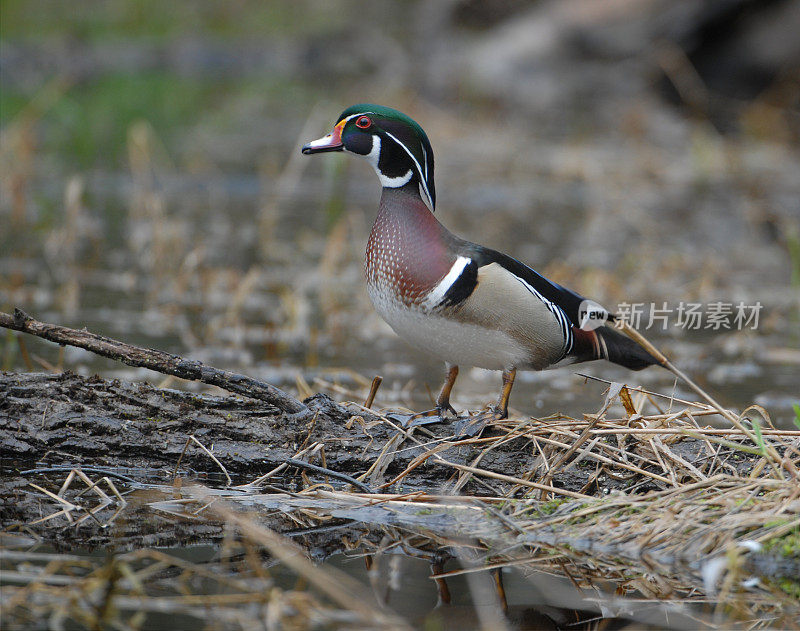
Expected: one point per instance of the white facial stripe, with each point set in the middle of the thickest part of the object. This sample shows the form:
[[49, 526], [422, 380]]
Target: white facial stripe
[[425, 199], [352, 116], [423, 183], [437, 294]]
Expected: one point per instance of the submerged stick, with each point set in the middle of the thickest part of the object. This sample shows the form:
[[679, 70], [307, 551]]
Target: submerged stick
[[159, 361], [329, 472]]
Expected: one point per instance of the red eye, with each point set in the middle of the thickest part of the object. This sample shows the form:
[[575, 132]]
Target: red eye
[[363, 122]]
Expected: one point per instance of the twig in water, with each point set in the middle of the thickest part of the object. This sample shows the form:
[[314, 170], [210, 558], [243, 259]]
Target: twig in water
[[106, 472], [334, 474], [261, 479]]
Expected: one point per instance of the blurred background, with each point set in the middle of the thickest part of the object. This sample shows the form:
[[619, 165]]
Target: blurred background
[[640, 151]]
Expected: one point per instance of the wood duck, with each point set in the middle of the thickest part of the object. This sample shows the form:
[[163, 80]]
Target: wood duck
[[465, 303]]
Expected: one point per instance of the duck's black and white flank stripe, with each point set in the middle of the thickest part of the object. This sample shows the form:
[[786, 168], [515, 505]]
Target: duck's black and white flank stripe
[[462, 279]]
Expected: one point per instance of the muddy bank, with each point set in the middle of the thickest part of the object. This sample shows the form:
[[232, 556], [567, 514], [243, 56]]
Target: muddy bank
[[140, 432]]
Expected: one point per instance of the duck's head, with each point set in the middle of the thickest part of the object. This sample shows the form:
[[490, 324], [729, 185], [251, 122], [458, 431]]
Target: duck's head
[[394, 144]]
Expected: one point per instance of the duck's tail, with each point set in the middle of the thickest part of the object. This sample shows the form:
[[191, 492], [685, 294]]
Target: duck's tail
[[607, 343]]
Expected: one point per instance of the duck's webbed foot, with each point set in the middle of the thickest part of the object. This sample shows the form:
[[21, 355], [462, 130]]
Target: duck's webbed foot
[[443, 410], [473, 425], [446, 411], [428, 417]]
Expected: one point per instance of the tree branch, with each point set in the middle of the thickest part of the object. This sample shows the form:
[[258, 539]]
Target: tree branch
[[156, 360]]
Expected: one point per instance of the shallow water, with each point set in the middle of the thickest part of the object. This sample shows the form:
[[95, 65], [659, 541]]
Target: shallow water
[[397, 580]]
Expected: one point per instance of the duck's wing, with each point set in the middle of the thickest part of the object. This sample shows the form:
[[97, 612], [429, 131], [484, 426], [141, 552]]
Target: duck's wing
[[567, 308]]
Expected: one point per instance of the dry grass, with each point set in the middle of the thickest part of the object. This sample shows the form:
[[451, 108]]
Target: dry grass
[[237, 592]]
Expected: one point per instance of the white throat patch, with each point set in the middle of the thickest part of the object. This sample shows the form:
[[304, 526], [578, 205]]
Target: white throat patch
[[422, 178], [373, 157]]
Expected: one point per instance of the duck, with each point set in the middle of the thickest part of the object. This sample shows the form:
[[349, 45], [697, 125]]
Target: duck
[[467, 304]]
